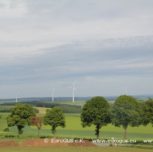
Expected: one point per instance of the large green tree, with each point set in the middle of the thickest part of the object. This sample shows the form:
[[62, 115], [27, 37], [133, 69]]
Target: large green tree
[[147, 112], [96, 112], [125, 112], [54, 117], [20, 116]]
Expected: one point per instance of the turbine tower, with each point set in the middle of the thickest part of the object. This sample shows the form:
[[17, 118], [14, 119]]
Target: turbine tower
[[53, 91], [16, 99], [73, 92]]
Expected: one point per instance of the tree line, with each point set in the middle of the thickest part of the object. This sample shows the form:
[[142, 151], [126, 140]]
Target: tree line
[[125, 111]]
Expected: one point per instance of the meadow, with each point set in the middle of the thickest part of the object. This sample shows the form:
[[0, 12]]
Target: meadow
[[74, 149], [74, 129]]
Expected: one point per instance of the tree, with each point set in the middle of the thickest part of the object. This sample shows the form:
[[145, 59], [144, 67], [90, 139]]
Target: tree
[[36, 121], [20, 116], [147, 112], [125, 112], [96, 112], [0, 119], [54, 117]]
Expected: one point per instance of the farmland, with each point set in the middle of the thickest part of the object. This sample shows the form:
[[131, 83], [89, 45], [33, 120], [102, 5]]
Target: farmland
[[73, 129], [74, 149]]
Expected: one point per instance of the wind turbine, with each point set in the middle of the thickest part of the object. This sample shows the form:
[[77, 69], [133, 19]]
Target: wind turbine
[[16, 99], [73, 92], [53, 92]]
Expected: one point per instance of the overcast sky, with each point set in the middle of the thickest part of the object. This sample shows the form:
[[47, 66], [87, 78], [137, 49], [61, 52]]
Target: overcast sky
[[105, 47]]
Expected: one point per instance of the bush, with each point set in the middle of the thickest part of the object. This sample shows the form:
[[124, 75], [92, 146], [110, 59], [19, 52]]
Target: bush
[[6, 130], [9, 136]]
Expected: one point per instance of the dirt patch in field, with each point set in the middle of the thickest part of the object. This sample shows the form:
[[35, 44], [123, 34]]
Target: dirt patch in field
[[45, 143], [8, 144]]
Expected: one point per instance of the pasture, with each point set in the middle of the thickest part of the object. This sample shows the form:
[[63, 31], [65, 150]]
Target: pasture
[[74, 129], [74, 149]]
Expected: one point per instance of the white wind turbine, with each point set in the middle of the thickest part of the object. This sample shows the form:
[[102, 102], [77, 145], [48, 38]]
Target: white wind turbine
[[73, 92], [16, 99], [53, 93]]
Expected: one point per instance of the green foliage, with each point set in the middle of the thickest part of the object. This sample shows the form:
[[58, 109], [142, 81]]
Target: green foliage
[[74, 129], [20, 116], [5, 108], [54, 117], [67, 108], [96, 111], [6, 129], [147, 112], [125, 112]]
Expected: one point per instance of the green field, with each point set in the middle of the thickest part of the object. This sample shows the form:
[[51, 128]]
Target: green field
[[74, 149], [74, 129]]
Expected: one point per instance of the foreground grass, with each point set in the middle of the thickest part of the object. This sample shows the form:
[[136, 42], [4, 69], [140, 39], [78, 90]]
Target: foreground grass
[[73, 149]]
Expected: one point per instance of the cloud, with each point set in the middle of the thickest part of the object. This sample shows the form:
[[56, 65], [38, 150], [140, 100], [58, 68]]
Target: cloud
[[12, 9], [79, 60], [51, 42], [53, 24]]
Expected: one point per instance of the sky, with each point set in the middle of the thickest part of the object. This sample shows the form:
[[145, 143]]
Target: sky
[[100, 47]]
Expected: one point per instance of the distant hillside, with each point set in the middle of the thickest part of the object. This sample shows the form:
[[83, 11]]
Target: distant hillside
[[46, 99]]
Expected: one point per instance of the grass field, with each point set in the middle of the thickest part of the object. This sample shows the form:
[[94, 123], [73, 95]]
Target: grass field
[[74, 129], [74, 149]]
